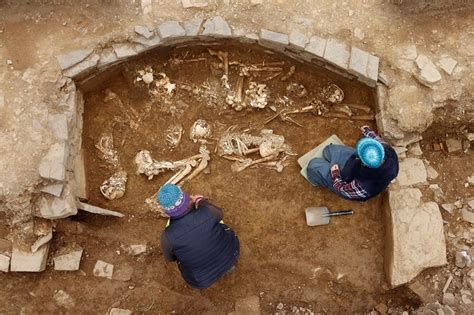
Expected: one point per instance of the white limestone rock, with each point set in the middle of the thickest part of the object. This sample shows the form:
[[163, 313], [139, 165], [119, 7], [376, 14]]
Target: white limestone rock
[[448, 64], [68, 262], [53, 164], [103, 269], [431, 172], [70, 59], [98, 210], [428, 73], [412, 171], [26, 261], [51, 207], [415, 236]]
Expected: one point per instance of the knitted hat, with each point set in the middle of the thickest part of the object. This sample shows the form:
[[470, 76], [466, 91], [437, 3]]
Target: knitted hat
[[174, 201], [371, 152]]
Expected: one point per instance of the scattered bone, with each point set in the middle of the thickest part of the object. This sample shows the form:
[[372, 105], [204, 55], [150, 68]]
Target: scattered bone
[[332, 94], [257, 95], [145, 75], [106, 147], [284, 116], [234, 98], [343, 109], [289, 74], [239, 166], [366, 109], [114, 187], [178, 61], [150, 167], [223, 57], [202, 165], [173, 136], [200, 131], [341, 115], [132, 118], [297, 90], [164, 86]]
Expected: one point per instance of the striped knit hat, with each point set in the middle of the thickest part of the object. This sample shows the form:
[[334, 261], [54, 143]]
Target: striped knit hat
[[173, 199], [370, 152]]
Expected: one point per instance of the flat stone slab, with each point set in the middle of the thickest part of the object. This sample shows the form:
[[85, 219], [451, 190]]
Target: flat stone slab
[[53, 164], [415, 235], [448, 64], [98, 210], [274, 37], [83, 66], [58, 123], [144, 31], [5, 254], [337, 53], [26, 261], [138, 249], [68, 262], [103, 269], [70, 59], [428, 73], [316, 46], [170, 29], [126, 50], [193, 26], [53, 189], [298, 39], [80, 187], [217, 26], [51, 207], [412, 171]]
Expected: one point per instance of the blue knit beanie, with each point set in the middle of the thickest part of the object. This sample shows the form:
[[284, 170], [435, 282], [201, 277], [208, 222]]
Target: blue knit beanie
[[371, 152], [173, 200]]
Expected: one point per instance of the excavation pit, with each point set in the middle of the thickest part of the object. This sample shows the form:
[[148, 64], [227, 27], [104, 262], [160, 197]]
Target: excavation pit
[[339, 266]]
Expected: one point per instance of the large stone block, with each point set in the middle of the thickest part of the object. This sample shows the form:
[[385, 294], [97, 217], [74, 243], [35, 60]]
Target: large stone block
[[217, 26], [26, 261], [316, 46], [53, 164], [68, 60], [267, 36], [364, 65], [337, 53], [170, 29], [415, 235], [50, 207], [412, 171], [83, 67], [193, 26]]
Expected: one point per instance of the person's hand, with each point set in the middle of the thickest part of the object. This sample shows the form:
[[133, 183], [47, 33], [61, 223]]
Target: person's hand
[[335, 167]]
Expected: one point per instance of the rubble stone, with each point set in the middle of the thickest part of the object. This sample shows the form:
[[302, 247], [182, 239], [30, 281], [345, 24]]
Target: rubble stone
[[298, 39], [138, 249], [273, 37], [5, 255], [337, 53], [68, 60], [449, 299], [415, 236], [59, 126], [53, 164], [83, 66], [431, 172], [119, 311], [463, 259], [193, 26], [143, 31], [63, 299], [248, 305], [56, 208], [422, 291], [68, 262], [98, 210], [217, 26], [53, 189], [103, 269], [125, 50], [453, 145], [449, 207], [428, 73], [316, 46], [107, 57], [415, 149], [448, 64], [412, 171], [26, 261], [170, 29], [194, 3], [42, 240]]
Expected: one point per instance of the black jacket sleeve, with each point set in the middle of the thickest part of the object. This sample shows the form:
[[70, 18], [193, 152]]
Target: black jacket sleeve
[[167, 248], [215, 211]]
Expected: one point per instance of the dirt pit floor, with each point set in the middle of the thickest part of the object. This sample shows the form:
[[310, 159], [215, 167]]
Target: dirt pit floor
[[336, 268]]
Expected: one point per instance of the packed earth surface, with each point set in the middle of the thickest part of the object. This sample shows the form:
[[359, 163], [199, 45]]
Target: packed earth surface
[[285, 266]]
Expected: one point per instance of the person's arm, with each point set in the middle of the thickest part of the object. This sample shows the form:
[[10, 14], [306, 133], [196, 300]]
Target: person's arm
[[352, 190], [369, 133], [215, 211], [167, 248]]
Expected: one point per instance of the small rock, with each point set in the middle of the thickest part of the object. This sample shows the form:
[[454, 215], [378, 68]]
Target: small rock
[[143, 31], [458, 204], [463, 259], [147, 78], [280, 306], [468, 215], [415, 149], [120, 311], [428, 73], [359, 34], [448, 299], [470, 136], [448, 310], [103, 269], [438, 193], [68, 60], [448, 64], [216, 26], [470, 203], [9, 62], [453, 145], [381, 308], [138, 249], [466, 299], [68, 262], [42, 241], [449, 207], [63, 299], [422, 291], [431, 172], [194, 3]]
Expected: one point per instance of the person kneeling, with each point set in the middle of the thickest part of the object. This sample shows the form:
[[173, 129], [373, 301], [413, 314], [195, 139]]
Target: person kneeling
[[196, 237]]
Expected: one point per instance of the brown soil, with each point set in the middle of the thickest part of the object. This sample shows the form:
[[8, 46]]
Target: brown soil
[[282, 260]]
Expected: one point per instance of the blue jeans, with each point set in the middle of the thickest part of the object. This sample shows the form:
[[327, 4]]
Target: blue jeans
[[319, 170]]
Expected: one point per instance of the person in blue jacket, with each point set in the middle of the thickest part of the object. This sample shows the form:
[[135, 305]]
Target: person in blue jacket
[[356, 174], [196, 237]]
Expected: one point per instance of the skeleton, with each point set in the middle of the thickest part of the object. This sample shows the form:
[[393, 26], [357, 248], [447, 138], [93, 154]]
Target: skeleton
[[234, 98], [268, 145], [332, 94], [256, 95], [163, 86], [173, 136], [106, 147], [223, 57], [150, 167], [296, 89], [114, 187], [200, 131]]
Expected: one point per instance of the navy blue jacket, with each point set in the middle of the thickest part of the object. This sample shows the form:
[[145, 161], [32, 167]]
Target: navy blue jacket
[[204, 248]]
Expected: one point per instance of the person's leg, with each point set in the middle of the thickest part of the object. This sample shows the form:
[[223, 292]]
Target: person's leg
[[319, 173], [337, 154]]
